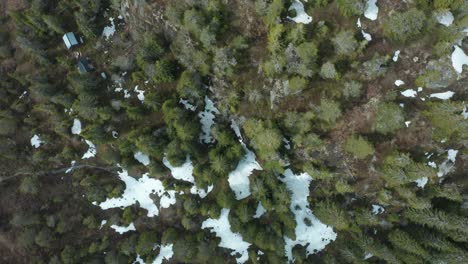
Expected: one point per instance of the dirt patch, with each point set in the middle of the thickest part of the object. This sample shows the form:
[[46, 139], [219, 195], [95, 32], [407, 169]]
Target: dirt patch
[[8, 5]]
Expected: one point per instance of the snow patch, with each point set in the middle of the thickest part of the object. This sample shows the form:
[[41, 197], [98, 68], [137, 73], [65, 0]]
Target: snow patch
[[91, 150], [239, 178], [459, 59], [443, 96], [76, 128], [36, 141], [407, 123], [183, 173], [421, 182], [301, 15], [123, 229], [260, 210], [165, 253], [140, 191], [187, 105], [72, 166], [372, 10], [229, 240], [207, 121], [140, 94], [314, 236], [377, 209], [109, 31], [409, 93], [449, 164], [142, 158], [399, 82], [396, 55], [366, 35], [445, 18]]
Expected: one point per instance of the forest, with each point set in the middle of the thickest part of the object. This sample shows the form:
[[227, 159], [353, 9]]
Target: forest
[[233, 131]]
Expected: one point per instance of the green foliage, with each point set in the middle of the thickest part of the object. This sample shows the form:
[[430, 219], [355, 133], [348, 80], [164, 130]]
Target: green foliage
[[388, 119], [331, 214], [164, 71], [404, 26], [359, 147], [344, 42], [404, 241], [328, 71], [329, 111], [265, 138], [351, 7]]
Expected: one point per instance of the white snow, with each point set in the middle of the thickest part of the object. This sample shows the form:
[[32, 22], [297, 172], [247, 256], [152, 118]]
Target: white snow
[[287, 144], [109, 31], [201, 192], [442, 96], [409, 93], [372, 10], [76, 128], [229, 240], [184, 172], [239, 178], [465, 113], [448, 165], [358, 23], [377, 209], [23, 94], [142, 158], [140, 94], [314, 237], [407, 123], [91, 150], [366, 36], [445, 18], [459, 59], [123, 229], [420, 89], [187, 105], [421, 182], [396, 55], [432, 164], [103, 75], [140, 191], [207, 121], [368, 256], [399, 82], [115, 134], [36, 141], [72, 166], [452, 155], [103, 222], [301, 15], [260, 210], [165, 253]]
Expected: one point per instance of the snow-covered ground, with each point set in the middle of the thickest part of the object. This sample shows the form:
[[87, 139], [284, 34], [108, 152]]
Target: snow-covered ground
[[459, 59], [165, 253], [36, 141], [140, 94], [142, 158], [315, 236], [91, 150], [140, 191], [443, 96], [109, 31], [185, 173], [187, 105], [445, 18], [207, 121], [301, 15], [260, 210], [396, 56], [399, 82], [229, 240], [123, 229], [239, 178], [409, 93], [76, 128], [377, 209], [366, 35], [372, 10]]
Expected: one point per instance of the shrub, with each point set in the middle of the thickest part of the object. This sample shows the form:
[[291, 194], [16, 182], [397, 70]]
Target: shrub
[[404, 26]]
